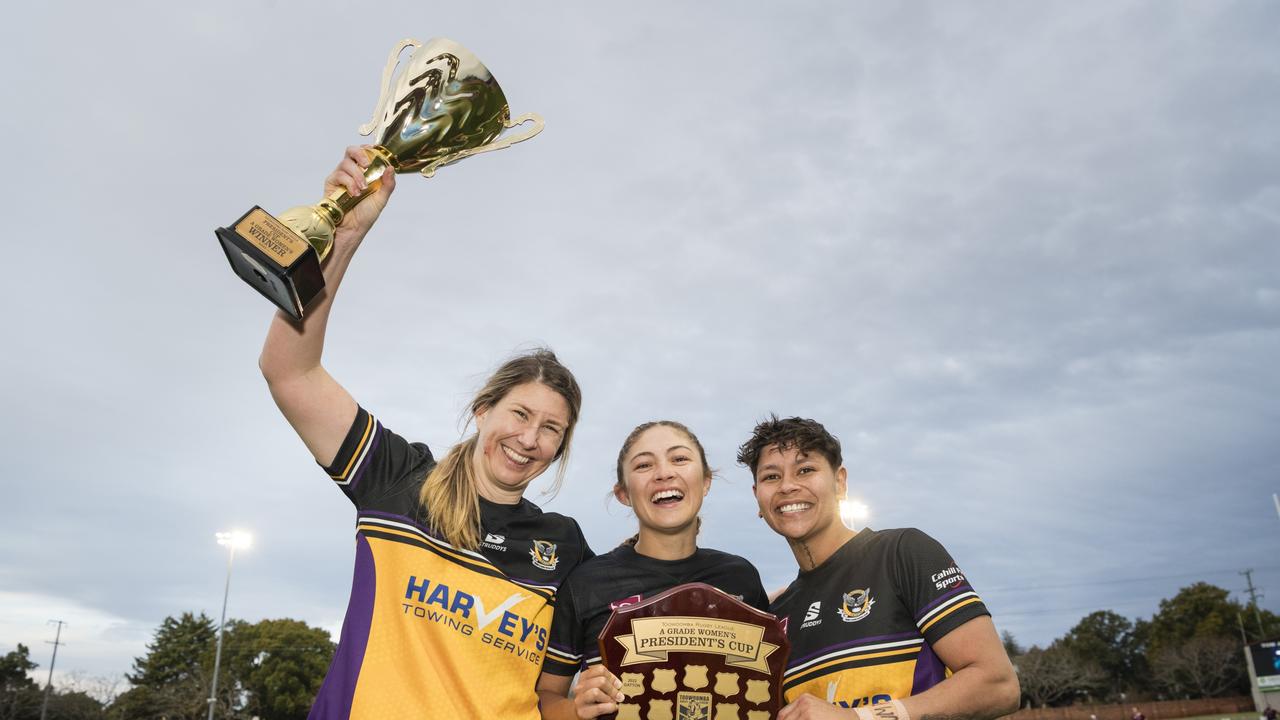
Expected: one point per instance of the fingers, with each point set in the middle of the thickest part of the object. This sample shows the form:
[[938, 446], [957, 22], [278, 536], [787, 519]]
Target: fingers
[[598, 693], [350, 171]]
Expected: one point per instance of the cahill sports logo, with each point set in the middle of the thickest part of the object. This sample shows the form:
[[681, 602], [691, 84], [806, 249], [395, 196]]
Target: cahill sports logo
[[544, 555]]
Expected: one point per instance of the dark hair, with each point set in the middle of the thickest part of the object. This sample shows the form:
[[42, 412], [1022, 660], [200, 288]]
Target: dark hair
[[631, 441], [803, 435], [640, 430], [449, 492]]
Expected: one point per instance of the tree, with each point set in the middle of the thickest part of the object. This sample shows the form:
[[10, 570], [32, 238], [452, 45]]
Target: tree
[[279, 664], [176, 671], [1202, 667], [1199, 610], [19, 694], [1011, 646], [1056, 676], [74, 705], [271, 669], [1108, 639]]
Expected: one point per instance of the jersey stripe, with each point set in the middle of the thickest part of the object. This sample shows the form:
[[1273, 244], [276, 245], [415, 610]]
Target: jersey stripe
[[410, 535], [791, 679], [945, 610], [854, 650], [361, 451]]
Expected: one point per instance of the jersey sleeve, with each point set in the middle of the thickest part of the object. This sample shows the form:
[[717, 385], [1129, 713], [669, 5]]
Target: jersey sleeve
[[376, 468], [565, 648], [933, 586], [753, 592]]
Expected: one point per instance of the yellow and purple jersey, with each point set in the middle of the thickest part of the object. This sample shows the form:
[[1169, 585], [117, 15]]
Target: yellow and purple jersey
[[862, 624], [434, 632]]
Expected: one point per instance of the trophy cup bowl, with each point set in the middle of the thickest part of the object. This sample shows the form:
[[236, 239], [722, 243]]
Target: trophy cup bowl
[[443, 106]]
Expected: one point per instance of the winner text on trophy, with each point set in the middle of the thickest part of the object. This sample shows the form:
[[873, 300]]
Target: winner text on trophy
[[444, 106]]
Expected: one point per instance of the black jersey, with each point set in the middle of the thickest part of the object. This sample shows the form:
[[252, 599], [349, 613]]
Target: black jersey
[[862, 624], [435, 632], [624, 577]]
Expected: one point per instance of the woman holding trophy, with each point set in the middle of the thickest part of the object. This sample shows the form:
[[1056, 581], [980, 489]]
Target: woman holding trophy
[[662, 475], [455, 572]]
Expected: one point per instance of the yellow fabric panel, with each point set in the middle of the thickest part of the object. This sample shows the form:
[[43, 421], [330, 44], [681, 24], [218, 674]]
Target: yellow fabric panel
[[869, 684], [492, 632]]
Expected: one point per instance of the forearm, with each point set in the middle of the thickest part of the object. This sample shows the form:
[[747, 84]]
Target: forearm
[[972, 693], [555, 706], [293, 348]]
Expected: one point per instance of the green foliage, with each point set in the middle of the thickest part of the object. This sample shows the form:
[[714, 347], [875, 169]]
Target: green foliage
[[19, 694], [271, 670], [280, 664], [74, 706], [1108, 639], [1197, 611], [175, 672]]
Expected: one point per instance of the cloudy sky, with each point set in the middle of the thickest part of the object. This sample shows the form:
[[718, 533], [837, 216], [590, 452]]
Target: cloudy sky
[[1021, 258]]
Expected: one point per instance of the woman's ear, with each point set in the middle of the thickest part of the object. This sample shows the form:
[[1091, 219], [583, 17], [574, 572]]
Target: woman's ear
[[620, 492]]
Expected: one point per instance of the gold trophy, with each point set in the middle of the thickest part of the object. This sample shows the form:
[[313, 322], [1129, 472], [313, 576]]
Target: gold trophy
[[444, 106]]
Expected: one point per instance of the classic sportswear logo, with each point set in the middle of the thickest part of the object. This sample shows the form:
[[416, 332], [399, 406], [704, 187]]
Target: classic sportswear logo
[[812, 616], [495, 539], [856, 605]]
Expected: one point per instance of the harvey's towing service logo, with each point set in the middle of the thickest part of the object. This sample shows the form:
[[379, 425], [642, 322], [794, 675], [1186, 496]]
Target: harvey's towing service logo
[[468, 615]]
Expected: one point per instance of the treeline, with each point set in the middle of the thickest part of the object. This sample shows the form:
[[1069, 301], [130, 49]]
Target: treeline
[[270, 670], [1191, 648]]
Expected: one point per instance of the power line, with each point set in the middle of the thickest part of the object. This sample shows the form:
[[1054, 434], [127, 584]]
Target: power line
[[1115, 581], [57, 638], [1253, 600]]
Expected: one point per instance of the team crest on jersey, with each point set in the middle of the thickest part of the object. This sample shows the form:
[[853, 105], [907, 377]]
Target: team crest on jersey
[[856, 605], [544, 555]]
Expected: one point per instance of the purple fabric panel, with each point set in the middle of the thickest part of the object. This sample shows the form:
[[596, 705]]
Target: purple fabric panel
[[946, 596], [929, 670], [373, 448], [333, 702], [909, 635]]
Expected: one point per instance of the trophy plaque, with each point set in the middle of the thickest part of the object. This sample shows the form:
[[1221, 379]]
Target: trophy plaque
[[695, 653], [442, 107]]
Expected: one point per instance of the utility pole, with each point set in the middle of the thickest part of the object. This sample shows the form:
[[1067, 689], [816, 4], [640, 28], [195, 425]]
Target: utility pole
[[57, 640], [1253, 600]]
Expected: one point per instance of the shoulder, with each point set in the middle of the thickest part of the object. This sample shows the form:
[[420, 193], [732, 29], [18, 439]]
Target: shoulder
[[724, 558]]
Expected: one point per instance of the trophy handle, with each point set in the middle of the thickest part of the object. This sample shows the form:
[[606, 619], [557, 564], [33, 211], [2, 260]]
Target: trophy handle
[[386, 82], [505, 141]]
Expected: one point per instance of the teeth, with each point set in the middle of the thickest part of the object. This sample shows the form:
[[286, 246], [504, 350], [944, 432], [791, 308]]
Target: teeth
[[664, 494], [794, 507], [515, 456]]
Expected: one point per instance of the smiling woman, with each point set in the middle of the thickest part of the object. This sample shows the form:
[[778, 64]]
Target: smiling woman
[[456, 572], [663, 477]]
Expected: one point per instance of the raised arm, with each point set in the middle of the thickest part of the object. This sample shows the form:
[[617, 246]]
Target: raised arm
[[319, 409]]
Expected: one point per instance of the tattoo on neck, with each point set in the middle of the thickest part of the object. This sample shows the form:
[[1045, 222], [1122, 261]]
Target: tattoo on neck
[[808, 555]]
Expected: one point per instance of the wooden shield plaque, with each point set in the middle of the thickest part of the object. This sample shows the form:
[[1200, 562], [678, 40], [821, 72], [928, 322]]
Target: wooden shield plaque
[[695, 653]]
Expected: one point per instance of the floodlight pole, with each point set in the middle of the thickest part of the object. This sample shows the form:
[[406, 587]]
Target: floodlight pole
[[232, 540]]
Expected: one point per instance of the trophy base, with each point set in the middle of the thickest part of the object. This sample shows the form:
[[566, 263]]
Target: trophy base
[[273, 259]]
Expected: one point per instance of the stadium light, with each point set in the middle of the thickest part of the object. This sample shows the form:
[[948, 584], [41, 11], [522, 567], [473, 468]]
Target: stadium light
[[854, 513], [233, 540]]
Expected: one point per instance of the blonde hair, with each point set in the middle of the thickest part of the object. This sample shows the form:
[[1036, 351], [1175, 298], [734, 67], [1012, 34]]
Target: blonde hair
[[448, 496]]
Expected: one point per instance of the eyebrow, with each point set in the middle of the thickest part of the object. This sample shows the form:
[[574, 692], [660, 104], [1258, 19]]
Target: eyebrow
[[549, 421]]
